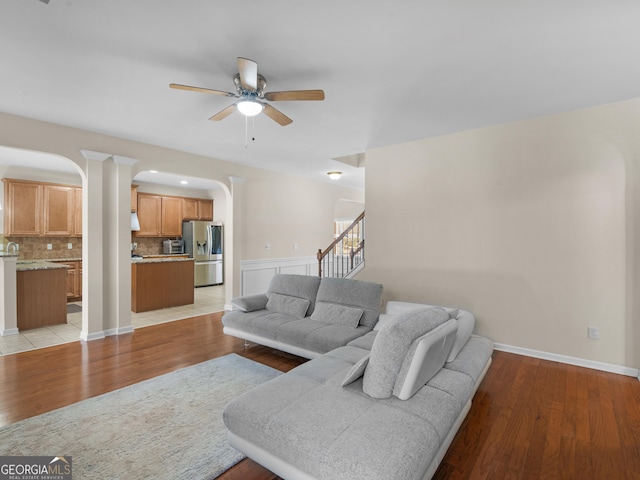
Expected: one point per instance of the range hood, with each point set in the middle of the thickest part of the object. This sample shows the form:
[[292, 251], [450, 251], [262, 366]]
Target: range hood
[[135, 223]]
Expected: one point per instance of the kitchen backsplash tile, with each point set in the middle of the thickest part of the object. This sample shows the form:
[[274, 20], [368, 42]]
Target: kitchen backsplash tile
[[36, 247], [147, 246]]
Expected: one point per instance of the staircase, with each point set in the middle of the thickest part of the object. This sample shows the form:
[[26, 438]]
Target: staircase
[[345, 256]]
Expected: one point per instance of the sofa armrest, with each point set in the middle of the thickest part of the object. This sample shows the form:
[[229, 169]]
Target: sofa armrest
[[250, 303]]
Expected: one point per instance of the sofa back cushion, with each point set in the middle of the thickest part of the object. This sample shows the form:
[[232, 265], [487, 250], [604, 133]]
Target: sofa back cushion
[[425, 357], [294, 306], [353, 293], [392, 344], [338, 314], [297, 286]]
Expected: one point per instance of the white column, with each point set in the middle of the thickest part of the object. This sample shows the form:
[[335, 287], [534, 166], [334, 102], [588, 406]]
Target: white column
[[92, 246], [121, 244], [8, 296]]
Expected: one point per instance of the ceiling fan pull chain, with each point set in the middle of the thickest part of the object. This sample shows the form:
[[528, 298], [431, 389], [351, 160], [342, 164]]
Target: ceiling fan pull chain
[[246, 132]]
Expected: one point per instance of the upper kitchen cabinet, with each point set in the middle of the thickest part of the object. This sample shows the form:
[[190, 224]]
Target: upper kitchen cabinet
[[149, 215], [59, 210], [41, 209], [134, 198], [23, 208], [171, 217], [197, 209]]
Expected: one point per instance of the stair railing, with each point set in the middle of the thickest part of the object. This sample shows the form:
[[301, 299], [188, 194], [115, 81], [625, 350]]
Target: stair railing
[[345, 253]]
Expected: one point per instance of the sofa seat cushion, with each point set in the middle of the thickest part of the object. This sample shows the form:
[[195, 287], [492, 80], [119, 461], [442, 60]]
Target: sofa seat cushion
[[260, 322], [307, 419], [317, 336], [365, 341]]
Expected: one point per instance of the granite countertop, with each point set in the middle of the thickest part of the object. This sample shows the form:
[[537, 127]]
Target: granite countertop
[[159, 259], [28, 265]]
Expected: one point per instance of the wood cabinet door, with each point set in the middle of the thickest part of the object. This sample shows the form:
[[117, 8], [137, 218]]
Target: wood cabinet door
[[149, 215], [134, 198], [171, 216], [205, 210], [23, 211], [190, 209], [59, 210], [77, 223]]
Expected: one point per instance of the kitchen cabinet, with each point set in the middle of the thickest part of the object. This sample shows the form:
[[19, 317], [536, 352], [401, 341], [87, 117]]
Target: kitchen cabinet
[[171, 224], [158, 283], [78, 213], [59, 210], [197, 209], [22, 208], [149, 215], [134, 198], [36, 209], [74, 280], [159, 216], [41, 298]]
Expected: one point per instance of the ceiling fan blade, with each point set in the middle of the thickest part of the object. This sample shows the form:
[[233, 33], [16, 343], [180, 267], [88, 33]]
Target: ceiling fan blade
[[201, 89], [295, 95], [248, 70], [277, 115], [222, 114]]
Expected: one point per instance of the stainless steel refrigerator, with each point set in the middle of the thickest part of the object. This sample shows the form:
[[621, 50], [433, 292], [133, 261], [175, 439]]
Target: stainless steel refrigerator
[[203, 241]]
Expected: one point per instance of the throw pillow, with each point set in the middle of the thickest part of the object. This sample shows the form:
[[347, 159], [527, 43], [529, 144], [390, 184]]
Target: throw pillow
[[250, 303], [294, 306], [391, 345], [338, 314], [356, 371]]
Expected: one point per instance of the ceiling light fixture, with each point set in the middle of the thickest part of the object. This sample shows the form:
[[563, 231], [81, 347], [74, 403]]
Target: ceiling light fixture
[[184, 182], [334, 175], [249, 108]]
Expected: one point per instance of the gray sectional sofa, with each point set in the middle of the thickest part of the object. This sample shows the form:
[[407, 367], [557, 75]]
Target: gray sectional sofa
[[386, 405]]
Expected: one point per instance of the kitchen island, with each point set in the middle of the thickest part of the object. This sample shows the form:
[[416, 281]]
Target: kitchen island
[[161, 282], [41, 294]]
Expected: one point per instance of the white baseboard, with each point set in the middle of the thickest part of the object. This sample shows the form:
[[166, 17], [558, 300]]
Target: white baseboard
[[118, 331], [92, 336], [579, 362], [9, 331]]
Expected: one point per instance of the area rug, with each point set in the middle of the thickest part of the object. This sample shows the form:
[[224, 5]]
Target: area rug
[[168, 427]]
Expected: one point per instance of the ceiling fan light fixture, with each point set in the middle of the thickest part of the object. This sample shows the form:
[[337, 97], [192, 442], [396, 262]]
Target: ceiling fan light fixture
[[334, 175], [249, 108]]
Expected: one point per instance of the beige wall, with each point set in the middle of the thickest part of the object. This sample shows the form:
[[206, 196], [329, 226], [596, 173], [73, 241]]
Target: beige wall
[[531, 225]]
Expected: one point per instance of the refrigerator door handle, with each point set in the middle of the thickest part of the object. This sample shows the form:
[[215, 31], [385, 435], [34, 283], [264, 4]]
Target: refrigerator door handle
[[210, 242]]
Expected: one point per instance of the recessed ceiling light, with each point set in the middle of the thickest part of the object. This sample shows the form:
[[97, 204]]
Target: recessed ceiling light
[[153, 171], [184, 182]]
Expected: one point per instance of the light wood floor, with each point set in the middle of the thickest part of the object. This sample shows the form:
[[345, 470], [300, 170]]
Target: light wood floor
[[531, 419]]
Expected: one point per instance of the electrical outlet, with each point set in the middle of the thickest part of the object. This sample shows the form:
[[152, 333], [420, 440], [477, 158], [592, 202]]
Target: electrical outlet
[[49, 246], [1, 246], [594, 333], [267, 246], [69, 246], [296, 246]]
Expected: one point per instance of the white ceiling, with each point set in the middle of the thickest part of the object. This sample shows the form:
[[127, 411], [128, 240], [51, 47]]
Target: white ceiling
[[391, 71]]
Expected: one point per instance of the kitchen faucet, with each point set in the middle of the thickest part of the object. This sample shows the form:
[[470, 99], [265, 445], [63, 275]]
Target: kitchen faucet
[[14, 247]]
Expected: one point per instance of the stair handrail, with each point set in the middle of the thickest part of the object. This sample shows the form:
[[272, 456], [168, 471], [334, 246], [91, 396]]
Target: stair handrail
[[321, 254]]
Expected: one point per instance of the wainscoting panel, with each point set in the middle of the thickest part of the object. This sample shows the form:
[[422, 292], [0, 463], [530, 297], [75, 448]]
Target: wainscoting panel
[[255, 275]]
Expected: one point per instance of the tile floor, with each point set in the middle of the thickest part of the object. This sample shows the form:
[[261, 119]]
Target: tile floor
[[207, 300]]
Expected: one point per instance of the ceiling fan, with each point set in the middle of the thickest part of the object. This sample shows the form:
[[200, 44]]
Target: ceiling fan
[[250, 86]]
